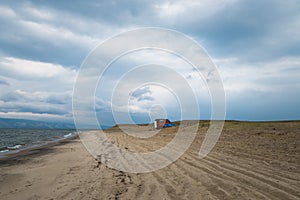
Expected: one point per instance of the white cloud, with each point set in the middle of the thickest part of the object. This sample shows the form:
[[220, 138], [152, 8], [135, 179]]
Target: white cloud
[[23, 69], [57, 35], [7, 12], [38, 13], [274, 76], [44, 96], [37, 116], [36, 89], [182, 10]]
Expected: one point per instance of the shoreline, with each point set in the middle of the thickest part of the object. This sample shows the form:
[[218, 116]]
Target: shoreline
[[35, 150]]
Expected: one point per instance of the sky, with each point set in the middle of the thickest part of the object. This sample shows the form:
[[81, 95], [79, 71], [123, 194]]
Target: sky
[[255, 45]]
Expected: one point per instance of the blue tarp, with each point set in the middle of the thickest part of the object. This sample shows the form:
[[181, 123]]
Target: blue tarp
[[168, 125]]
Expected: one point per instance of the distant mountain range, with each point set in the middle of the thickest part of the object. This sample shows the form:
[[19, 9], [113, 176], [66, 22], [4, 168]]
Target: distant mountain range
[[25, 123]]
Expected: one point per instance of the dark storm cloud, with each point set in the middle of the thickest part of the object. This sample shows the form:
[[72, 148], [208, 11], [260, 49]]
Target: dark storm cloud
[[250, 30], [142, 94], [141, 91], [115, 13], [50, 31], [36, 38], [145, 98]]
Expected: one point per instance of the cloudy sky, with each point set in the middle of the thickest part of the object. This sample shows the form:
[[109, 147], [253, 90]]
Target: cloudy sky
[[254, 44]]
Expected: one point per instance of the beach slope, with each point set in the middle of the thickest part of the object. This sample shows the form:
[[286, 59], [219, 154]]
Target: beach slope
[[252, 160]]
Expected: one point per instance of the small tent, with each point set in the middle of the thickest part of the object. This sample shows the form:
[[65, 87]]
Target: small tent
[[162, 123]]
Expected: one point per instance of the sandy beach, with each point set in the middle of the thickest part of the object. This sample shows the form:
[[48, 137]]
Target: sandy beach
[[250, 161]]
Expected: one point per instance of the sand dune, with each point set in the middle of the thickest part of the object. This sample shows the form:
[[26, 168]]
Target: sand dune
[[250, 161]]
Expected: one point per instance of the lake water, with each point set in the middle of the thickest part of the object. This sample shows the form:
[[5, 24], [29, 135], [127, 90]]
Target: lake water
[[13, 140]]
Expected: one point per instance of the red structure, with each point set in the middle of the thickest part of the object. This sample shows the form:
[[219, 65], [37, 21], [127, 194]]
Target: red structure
[[161, 123]]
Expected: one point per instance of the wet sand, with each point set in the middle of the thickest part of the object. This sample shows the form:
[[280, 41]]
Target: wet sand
[[250, 161]]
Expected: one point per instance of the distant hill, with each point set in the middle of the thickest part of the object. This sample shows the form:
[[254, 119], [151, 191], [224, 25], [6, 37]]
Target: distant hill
[[25, 123]]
